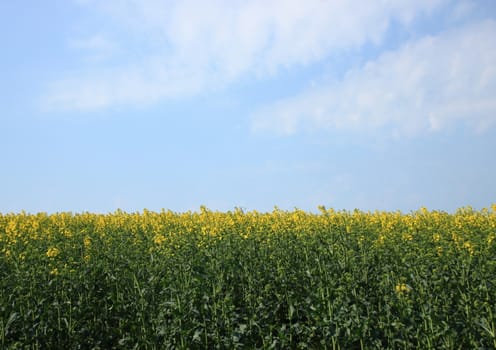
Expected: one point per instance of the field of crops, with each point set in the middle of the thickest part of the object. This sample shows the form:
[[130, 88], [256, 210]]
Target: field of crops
[[279, 280]]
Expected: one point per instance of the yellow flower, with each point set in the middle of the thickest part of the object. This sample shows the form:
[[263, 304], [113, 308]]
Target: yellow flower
[[159, 239], [52, 252], [436, 237], [54, 272], [407, 236], [381, 239], [470, 248], [490, 239], [87, 241], [402, 288], [439, 250]]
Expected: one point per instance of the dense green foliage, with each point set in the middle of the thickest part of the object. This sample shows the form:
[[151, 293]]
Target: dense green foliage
[[280, 280]]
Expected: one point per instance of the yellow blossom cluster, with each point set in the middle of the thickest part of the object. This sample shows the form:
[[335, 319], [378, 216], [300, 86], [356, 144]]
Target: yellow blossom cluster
[[81, 236], [52, 252], [402, 288]]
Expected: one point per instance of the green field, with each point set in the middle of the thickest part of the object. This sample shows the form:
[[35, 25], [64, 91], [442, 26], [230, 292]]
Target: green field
[[247, 280]]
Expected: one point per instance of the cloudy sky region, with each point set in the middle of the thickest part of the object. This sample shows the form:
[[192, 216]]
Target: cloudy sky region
[[132, 104]]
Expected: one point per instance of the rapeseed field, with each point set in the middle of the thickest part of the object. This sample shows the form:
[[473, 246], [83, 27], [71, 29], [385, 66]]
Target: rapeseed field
[[249, 280]]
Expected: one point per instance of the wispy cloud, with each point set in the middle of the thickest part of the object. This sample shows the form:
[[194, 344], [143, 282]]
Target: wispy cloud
[[133, 84], [191, 46], [426, 85], [94, 48]]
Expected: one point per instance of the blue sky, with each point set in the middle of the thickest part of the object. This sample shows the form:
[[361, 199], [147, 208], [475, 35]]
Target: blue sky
[[132, 104]]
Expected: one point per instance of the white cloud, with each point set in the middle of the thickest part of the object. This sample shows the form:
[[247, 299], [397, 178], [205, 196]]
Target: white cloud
[[462, 8], [96, 42], [190, 46], [133, 84], [427, 84], [95, 48]]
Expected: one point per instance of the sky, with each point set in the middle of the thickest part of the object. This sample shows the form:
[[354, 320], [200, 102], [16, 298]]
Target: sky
[[251, 104]]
